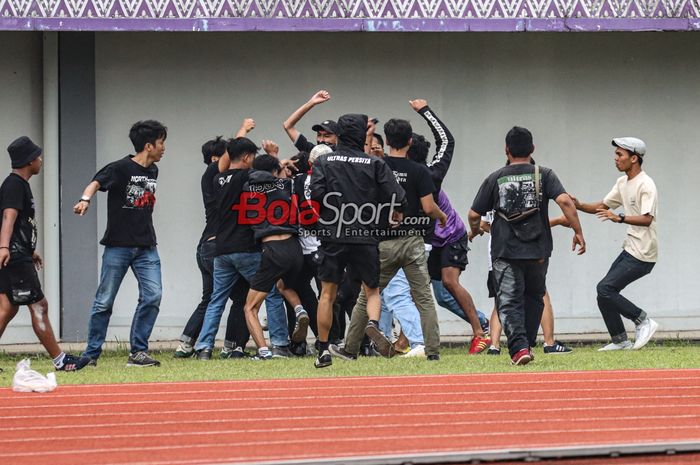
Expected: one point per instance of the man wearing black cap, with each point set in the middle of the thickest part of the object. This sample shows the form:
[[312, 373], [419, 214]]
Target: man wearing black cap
[[19, 281], [326, 131], [636, 193]]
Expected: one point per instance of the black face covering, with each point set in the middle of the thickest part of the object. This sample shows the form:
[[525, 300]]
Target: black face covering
[[332, 146]]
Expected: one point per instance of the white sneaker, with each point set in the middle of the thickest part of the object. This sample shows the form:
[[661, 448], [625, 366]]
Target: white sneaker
[[417, 351], [624, 345], [645, 330]]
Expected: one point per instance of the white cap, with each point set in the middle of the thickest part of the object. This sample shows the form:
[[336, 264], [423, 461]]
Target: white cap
[[320, 149], [634, 145]]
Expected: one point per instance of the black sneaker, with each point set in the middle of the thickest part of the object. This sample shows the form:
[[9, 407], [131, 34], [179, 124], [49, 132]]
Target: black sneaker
[[204, 354], [340, 352], [238, 352], [74, 363], [142, 359], [281, 352], [557, 348], [493, 350], [298, 349], [434, 357], [301, 327], [383, 345], [92, 362], [323, 360]]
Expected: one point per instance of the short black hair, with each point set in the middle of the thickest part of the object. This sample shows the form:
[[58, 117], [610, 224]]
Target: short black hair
[[239, 147], [301, 160], [146, 132], [213, 148], [398, 133], [419, 149], [267, 163], [379, 137], [519, 142]]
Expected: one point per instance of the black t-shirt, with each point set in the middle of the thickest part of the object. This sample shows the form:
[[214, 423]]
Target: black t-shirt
[[416, 180], [130, 202], [303, 145], [209, 199], [15, 193], [231, 235], [510, 190]]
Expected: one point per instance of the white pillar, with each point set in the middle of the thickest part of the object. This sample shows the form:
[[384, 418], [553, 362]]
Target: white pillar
[[52, 192]]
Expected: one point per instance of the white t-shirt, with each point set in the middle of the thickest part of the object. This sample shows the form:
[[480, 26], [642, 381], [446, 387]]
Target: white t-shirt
[[638, 197]]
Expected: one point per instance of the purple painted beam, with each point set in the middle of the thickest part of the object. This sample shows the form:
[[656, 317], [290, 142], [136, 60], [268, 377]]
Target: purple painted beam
[[350, 24]]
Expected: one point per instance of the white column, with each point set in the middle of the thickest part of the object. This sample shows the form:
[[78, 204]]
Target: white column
[[52, 192]]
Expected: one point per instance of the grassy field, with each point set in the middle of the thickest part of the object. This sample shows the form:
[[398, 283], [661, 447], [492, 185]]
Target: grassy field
[[112, 365]]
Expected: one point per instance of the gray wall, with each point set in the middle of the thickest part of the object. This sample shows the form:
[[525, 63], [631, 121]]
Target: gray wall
[[21, 114], [574, 91]]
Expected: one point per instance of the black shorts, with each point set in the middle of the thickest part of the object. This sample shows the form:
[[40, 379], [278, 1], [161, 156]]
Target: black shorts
[[280, 260], [491, 285], [452, 255], [362, 261], [20, 282]]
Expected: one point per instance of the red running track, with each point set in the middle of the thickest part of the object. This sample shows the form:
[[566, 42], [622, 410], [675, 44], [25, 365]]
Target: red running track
[[346, 418]]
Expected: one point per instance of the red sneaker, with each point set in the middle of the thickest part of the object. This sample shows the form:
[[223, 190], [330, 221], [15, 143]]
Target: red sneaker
[[479, 344], [522, 357]]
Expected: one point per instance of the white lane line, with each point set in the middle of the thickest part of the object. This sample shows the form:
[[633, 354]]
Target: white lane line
[[314, 441], [404, 393], [373, 405], [239, 421], [326, 428], [344, 379], [489, 384]]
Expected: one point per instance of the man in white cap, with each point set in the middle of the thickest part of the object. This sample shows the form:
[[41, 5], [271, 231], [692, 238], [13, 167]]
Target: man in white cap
[[636, 193]]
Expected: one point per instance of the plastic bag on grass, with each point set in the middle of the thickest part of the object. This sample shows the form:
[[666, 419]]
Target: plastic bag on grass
[[28, 380]]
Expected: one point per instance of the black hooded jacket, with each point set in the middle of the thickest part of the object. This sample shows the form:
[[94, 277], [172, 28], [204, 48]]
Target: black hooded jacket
[[263, 188], [350, 187]]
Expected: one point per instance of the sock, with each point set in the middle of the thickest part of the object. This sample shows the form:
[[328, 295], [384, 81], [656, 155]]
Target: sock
[[186, 346], [58, 361], [374, 322], [299, 309], [322, 346]]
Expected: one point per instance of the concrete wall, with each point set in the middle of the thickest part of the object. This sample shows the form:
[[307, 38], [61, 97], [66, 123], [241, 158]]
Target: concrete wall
[[21, 114], [574, 91]]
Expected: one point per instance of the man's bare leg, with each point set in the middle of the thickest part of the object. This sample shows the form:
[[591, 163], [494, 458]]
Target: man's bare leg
[[39, 312], [251, 309], [7, 312], [548, 321], [496, 329]]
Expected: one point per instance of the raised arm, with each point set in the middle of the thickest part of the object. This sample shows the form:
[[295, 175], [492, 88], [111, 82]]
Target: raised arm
[[444, 141], [247, 125], [290, 123]]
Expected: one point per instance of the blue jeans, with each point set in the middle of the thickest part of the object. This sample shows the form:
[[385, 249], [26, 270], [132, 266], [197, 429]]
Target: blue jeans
[[613, 306], [116, 261], [446, 301], [227, 270], [397, 301]]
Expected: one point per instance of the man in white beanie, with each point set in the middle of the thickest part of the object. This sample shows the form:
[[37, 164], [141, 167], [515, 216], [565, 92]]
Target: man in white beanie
[[636, 193]]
